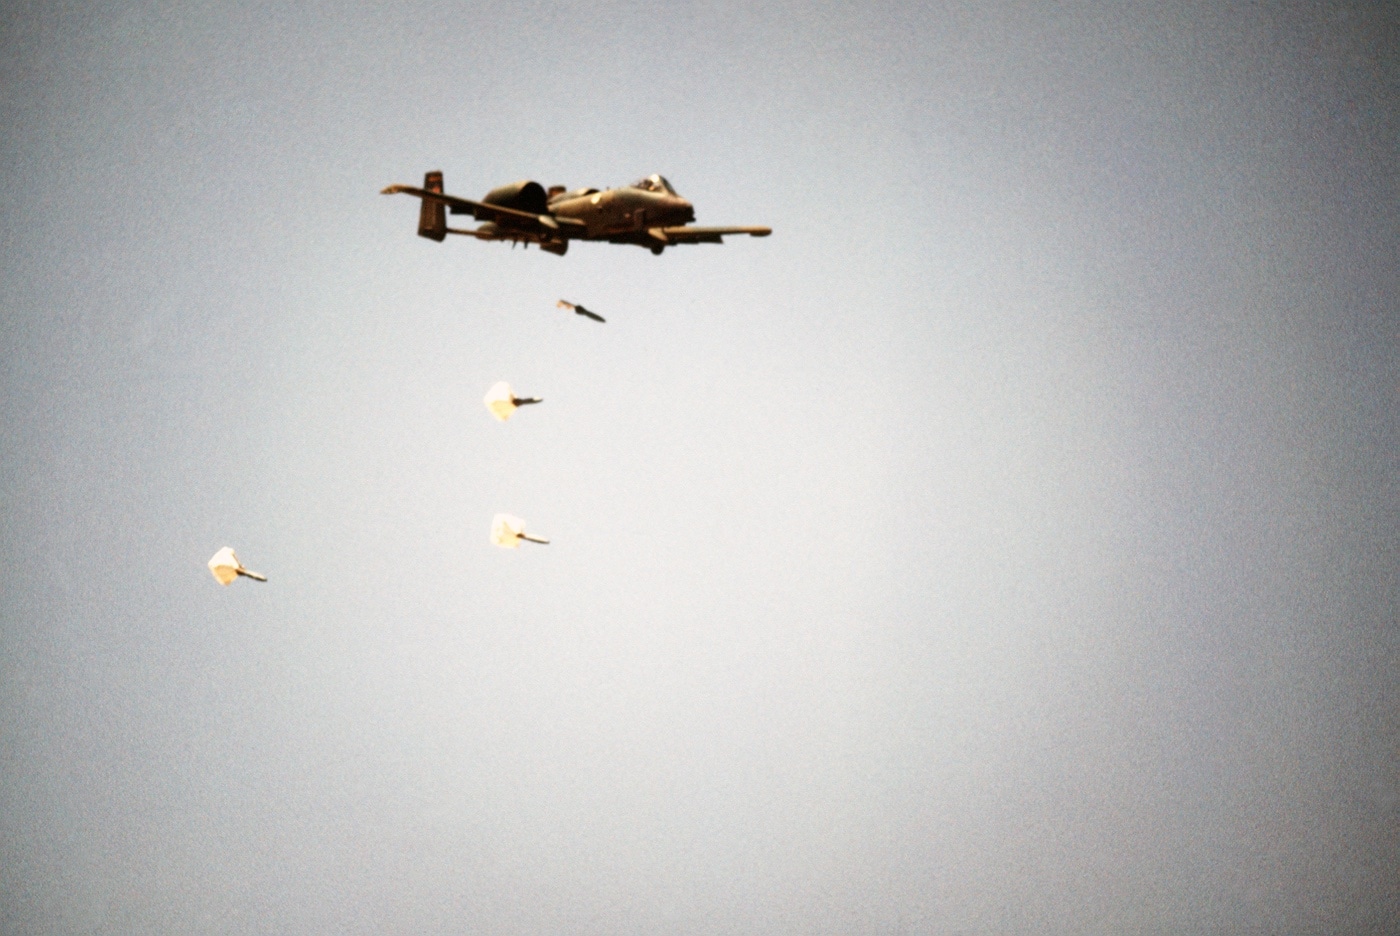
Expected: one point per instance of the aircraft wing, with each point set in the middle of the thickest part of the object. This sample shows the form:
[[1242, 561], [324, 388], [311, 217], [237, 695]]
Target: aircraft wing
[[505, 217], [702, 235]]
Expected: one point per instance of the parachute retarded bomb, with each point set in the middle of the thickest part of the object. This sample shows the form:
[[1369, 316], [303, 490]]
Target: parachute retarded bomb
[[502, 402], [508, 531], [579, 310], [226, 567]]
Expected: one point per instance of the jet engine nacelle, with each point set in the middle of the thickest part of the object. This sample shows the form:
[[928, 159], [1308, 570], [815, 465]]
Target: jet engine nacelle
[[522, 196]]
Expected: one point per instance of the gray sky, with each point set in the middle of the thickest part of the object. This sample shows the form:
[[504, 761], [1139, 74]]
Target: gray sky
[[1007, 544]]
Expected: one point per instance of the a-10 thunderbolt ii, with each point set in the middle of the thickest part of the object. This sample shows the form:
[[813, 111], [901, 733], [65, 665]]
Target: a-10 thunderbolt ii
[[648, 213]]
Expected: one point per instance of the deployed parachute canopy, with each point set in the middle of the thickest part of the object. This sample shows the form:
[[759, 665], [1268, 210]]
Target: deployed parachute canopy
[[226, 567], [502, 402], [508, 531]]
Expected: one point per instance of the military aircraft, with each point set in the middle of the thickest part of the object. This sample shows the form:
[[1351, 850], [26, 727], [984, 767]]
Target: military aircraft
[[648, 213]]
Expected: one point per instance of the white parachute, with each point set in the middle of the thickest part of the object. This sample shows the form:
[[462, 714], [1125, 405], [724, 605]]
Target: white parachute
[[226, 567], [502, 402], [508, 531]]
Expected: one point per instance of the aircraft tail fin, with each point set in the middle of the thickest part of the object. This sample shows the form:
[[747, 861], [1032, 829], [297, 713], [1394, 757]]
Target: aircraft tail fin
[[432, 215]]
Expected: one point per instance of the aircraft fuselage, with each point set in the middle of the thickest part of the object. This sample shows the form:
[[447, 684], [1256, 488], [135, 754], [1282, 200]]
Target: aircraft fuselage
[[622, 211], [648, 213]]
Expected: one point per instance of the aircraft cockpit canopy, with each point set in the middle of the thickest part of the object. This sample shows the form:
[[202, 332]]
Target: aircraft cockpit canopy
[[654, 183]]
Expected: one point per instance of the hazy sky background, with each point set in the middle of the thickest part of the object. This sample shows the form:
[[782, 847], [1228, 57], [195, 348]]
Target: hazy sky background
[[1007, 544]]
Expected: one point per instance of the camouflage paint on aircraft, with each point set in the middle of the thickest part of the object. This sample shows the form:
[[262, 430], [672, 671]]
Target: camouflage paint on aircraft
[[648, 213]]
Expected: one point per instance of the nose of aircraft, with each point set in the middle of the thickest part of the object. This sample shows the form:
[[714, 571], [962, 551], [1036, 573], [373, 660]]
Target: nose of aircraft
[[686, 210]]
